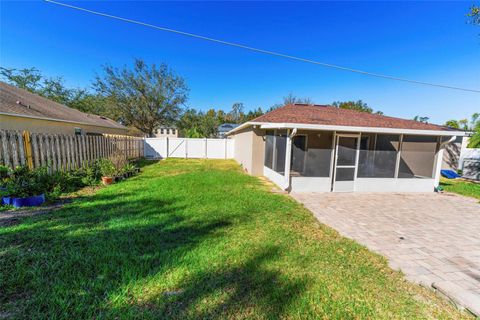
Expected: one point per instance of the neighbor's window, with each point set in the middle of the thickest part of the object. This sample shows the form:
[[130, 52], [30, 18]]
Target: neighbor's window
[[311, 154], [168, 131], [173, 131], [378, 155], [417, 156], [161, 131], [78, 131]]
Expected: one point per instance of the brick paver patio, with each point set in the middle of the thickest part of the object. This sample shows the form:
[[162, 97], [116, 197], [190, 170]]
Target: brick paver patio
[[433, 238]]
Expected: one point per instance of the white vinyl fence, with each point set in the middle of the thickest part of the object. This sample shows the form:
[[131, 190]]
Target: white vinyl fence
[[160, 148]]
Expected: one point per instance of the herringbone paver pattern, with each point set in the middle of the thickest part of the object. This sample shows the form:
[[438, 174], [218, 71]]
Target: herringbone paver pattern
[[433, 238]]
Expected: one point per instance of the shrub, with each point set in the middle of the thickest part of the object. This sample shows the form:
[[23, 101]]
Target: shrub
[[107, 168]]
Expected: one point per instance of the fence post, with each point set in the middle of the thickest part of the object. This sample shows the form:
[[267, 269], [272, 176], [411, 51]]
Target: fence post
[[167, 146], [21, 148], [28, 148], [6, 155], [36, 154], [186, 148], [206, 150], [226, 148]]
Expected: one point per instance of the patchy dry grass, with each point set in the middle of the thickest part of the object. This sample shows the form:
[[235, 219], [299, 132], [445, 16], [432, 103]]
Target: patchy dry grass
[[190, 239]]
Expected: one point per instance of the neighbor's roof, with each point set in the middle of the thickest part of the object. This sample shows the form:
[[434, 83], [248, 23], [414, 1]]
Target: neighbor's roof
[[323, 116], [20, 102], [225, 127]]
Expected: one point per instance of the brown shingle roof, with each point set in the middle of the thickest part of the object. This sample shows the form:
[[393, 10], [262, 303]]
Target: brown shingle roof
[[328, 115], [33, 105]]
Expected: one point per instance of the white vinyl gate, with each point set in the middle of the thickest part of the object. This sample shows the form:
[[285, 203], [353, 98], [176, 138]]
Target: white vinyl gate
[[160, 148]]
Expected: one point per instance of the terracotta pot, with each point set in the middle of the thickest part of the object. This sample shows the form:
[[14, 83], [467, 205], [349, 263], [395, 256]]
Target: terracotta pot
[[107, 180]]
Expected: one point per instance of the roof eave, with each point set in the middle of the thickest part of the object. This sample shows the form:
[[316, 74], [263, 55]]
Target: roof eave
[[300, 126], [245, 125], [120, 127]]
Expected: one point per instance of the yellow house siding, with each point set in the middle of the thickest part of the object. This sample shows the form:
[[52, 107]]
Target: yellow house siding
[[11, 122]]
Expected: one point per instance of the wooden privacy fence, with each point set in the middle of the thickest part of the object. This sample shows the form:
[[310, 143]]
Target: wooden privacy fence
[[63, 152]]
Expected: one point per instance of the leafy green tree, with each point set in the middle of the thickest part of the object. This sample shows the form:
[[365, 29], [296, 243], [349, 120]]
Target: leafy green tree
[[474, 141], [144, 96], [252, 114], [54, 89], [358, 105], [421, 119], [474, 14], [27, 78], [452, 124]]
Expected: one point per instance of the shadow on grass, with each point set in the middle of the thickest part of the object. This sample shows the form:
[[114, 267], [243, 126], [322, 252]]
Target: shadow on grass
[[70, 264], [142, 163], [245, 291]]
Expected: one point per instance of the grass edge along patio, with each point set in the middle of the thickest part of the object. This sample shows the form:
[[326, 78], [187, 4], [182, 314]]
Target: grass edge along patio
[[340, 150]]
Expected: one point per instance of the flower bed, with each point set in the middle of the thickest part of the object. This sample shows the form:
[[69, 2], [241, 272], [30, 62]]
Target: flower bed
[[24, 187]]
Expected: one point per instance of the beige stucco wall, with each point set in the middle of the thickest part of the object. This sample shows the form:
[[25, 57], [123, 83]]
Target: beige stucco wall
[[250, 149], [8, 122]]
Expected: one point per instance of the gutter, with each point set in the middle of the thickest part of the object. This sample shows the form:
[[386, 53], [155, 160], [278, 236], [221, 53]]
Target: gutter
[[60, 120], [360, 129], [301, 126]]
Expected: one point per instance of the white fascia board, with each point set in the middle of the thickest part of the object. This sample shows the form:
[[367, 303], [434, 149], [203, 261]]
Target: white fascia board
[[245, 125], [300, 126]]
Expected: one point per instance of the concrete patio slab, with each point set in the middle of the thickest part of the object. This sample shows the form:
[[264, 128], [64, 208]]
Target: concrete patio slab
[[433, 238]]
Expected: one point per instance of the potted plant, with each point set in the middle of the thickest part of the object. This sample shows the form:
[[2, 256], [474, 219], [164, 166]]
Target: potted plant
[[24, 188], [107, 170], [128, 170]]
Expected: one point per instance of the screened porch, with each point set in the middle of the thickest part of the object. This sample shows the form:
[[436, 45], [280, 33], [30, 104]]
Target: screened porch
[[323, 161]]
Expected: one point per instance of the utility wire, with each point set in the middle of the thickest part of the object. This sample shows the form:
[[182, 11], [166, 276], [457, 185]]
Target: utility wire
[[278, 54]]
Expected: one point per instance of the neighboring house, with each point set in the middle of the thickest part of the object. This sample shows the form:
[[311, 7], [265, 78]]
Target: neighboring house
[[224, 128], [162, 132], [458, 157], [23, 110], [315, 148]]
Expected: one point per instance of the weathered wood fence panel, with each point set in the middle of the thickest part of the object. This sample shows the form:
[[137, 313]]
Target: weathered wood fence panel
[[63, 152]]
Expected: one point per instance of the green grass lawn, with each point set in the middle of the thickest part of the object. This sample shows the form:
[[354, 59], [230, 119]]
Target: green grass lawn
[[190, 239], [463, 187]]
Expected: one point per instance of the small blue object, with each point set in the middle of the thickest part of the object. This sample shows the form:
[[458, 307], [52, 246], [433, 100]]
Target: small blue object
[[449, 174], [6, 200], [32, 201]]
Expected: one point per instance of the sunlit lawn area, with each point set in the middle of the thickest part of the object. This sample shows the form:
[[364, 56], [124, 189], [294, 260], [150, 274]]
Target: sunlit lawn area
[[191, 239], [463, 187]]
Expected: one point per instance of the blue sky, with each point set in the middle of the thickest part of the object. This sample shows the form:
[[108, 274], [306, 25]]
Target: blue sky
[[426, 41]]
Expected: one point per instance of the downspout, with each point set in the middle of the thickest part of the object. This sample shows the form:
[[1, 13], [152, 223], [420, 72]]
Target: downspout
[[440, 160], [288, 160]]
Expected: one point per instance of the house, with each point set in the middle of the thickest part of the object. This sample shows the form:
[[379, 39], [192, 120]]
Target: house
[[23, 110], [224, 128], [458, 157], [162, 132], [318, 148]]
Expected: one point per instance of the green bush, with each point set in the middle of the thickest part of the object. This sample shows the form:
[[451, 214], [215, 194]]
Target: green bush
[[107, 168], [23, 182]]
